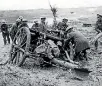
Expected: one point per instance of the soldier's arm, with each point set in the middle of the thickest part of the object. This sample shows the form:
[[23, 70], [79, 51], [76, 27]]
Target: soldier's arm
[[12, 28], [7, 27], [68, 58], [1, 28], [97, 27], [66, 41]]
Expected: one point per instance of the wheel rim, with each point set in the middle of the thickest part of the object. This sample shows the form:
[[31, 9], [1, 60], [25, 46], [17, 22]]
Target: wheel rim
[[21, 41]]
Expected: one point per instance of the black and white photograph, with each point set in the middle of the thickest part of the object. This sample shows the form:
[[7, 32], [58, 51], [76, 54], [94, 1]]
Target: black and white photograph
[[50, 42]]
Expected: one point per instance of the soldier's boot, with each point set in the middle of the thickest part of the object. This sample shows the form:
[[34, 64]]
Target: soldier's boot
[[4, 41], [4, 38], [8, 38]]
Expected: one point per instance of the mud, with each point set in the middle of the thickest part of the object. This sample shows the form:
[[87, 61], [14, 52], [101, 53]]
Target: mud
[[33, 75]]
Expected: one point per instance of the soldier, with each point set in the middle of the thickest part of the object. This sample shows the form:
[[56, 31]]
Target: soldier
[[43, 25], [98, 28], [24, 23], [36, 34], [5, 32], [35, 25], [80, 44], [62, 27], [15, 28]]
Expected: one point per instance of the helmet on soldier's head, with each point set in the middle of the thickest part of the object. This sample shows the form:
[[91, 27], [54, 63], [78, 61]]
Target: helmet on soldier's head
[[64, 19], [43, 18], [20, 17]]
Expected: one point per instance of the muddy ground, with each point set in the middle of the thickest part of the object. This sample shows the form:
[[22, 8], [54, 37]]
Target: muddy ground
[[33, 75]]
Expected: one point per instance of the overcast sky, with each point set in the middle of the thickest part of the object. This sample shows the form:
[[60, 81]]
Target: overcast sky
[[36, 4]]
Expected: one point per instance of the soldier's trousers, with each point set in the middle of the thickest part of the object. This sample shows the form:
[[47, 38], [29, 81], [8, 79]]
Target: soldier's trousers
[[6, 38]]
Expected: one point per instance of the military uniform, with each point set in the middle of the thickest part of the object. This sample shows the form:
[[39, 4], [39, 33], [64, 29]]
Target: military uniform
[[14, 28], [98, 28], [35, 25], [24, 23], [62, 27], [5, 33], [43, 26], [81, 44], [13, 31]]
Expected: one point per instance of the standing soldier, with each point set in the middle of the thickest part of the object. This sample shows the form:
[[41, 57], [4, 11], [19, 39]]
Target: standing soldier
[[5, 32], [62, 27], [43, 25], [98, 28], [24, 23], [15, 28], [35, 25]]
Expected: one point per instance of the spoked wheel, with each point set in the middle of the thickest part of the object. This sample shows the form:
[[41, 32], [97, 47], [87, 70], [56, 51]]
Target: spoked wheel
[[20, 46]]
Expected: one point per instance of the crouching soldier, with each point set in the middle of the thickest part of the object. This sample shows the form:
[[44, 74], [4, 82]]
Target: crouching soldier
[[79, 42], [5, 32]]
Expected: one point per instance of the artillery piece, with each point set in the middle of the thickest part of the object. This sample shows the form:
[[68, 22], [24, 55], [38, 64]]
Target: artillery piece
[[21, 49]]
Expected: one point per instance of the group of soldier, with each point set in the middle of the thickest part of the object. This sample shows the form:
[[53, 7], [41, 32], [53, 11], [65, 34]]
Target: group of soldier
[[73, 44]]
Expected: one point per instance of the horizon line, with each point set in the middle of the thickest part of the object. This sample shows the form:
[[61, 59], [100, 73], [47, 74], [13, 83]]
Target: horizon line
[[49, 8]]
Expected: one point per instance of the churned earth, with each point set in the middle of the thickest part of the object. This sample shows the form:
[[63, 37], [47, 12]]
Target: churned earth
[[33, 75]]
